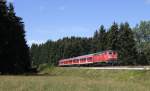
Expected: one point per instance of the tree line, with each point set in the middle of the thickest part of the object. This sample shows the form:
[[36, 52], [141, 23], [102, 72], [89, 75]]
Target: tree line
[[132, 44]]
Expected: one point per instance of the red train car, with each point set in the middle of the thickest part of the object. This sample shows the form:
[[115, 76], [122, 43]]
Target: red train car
[[108, 56]]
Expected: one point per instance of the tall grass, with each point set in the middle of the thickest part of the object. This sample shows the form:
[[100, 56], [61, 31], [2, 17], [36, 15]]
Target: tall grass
[[66, 79]]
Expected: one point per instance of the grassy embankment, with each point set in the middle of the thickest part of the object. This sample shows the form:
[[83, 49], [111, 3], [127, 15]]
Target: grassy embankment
[[65, 79]]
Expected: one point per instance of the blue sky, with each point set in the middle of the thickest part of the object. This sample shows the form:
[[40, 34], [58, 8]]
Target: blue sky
[[54, 19]]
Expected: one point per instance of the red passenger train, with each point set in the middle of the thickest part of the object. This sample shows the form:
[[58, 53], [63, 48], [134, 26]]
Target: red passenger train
[[108, 56]]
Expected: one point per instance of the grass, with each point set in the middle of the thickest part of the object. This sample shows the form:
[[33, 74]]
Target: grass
[[66, 79]]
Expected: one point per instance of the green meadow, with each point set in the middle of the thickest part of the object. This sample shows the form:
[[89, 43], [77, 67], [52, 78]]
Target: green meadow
[[67, 79]]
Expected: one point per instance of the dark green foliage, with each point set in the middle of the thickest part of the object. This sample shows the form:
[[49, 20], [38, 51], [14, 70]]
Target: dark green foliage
[[126, 45], [52, 51], [14, 52], [3, 8], [147, 55], [112, 37], [142, 58], [142, 37], [102, 39], [35, 53], [95, 41], [99, 40]]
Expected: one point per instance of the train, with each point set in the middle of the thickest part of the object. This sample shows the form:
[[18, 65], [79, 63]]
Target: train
[[99, 58]]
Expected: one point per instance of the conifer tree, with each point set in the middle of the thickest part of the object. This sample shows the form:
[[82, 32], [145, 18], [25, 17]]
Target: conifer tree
[[112, 37], [14, 52], [22, 51], [6, 66], [101, 39], [142, 37], [127, 46], [95, 42]]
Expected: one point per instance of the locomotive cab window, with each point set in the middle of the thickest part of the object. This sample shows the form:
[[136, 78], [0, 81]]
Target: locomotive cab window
[[110, 53]]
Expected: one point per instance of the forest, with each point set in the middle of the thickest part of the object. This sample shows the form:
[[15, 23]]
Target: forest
[[131, 43]]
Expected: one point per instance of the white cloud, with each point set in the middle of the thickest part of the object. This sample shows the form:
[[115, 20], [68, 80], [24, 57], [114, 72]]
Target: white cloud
[[30, 42]]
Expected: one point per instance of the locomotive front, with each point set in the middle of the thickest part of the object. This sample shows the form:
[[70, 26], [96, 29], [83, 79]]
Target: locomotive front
[[111, 56]]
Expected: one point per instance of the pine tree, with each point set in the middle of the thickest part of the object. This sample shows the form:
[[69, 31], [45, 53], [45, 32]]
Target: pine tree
[[101, 39], [112, 37], [94, 42], [14, 52], [126, 46], [22, 50], [142, 37], [5, 37], [34, 55], [3, 8]]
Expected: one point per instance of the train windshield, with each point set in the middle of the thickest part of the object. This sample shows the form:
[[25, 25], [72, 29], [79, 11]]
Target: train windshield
[[110, 53]]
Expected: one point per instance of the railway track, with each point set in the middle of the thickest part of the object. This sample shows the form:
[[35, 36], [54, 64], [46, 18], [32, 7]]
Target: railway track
[[114, 68]]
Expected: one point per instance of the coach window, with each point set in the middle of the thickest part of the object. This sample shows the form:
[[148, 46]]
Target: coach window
[[66, 62], [84, 59], [74, 60], [90, 58], [70, 61]]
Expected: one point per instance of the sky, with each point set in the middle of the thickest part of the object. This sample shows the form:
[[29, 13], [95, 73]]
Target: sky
[[54, 19]]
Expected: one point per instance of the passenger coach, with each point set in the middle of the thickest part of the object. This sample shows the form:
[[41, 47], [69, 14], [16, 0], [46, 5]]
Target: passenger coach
[[108, 57]]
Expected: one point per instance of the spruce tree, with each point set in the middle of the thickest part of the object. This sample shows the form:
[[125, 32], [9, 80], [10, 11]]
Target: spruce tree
[[126, 45], [101, 39], [95, 42], [3, 8], [5, 37], [14, 52], [112, 37], [22, 50], [142, 37]]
